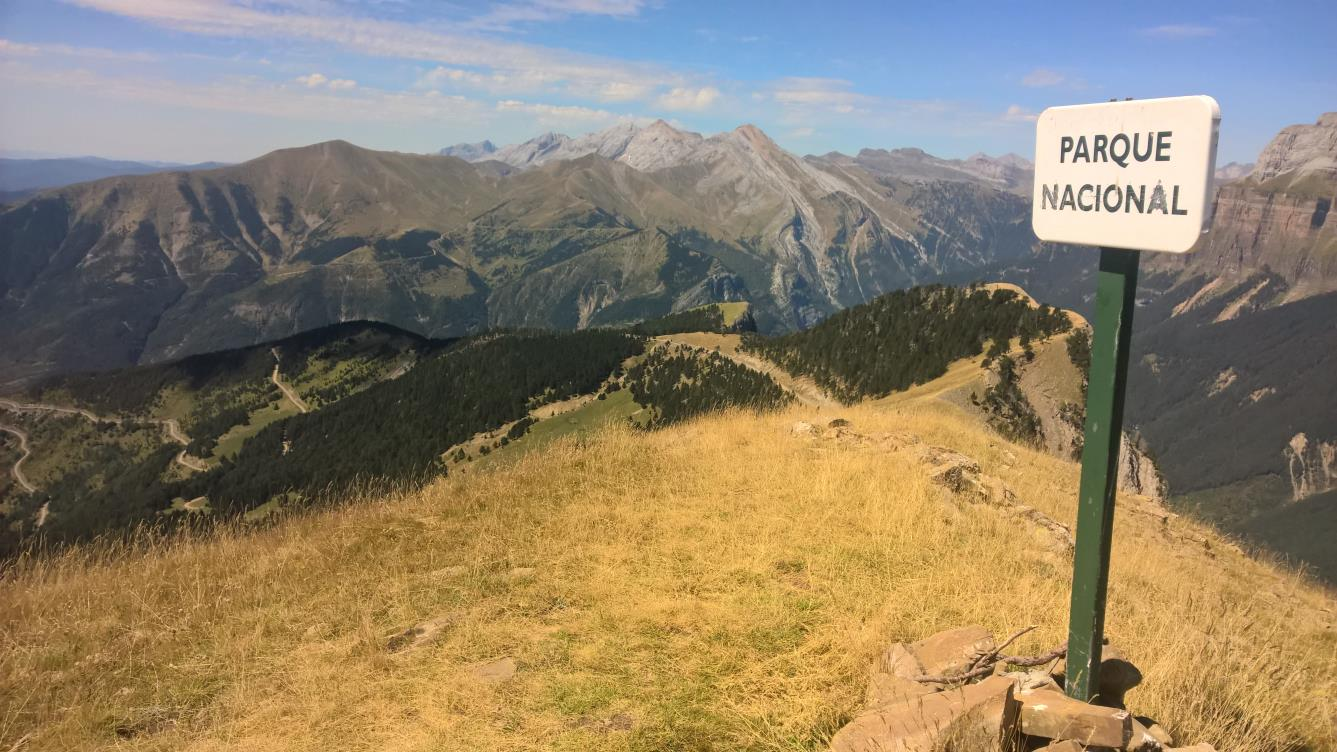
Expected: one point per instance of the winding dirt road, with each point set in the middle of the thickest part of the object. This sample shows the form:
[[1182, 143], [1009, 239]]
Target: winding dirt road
[[287, 390], [170, 426], [17, 470]]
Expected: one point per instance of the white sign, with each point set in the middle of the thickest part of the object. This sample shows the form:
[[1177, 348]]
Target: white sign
[[1134, 174]]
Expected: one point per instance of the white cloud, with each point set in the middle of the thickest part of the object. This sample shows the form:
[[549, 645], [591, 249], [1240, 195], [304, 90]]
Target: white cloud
[[1180, 31], [318, 80], [802, 132], [623, 91], [1043, 77], [1018, 114], [688, 98]]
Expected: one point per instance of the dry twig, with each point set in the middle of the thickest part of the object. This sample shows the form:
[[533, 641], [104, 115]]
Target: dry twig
[[1011, 660]]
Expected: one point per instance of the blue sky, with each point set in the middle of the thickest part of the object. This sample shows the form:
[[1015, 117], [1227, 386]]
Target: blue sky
[[193, 80]]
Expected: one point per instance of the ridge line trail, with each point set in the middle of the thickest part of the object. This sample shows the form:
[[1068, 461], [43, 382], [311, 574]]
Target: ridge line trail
[[171, 425], [17, 470], [804, 389], [287, 390]]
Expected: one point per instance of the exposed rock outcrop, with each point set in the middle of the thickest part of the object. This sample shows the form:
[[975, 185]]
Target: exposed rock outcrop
[[1312, 465], [1304, 148]]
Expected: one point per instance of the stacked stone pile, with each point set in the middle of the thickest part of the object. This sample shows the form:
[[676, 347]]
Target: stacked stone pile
[[918, 701]]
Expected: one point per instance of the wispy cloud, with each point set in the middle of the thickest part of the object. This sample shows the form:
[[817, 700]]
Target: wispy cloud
[[1180, 31], [9, 48], [688, 98], [827, 94], [564, 115], [297, 100], [1018, 114], [507, 16], [512, 62], [1041, 77]]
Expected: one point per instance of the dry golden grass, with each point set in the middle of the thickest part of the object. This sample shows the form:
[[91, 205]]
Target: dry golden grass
[[718, 585]]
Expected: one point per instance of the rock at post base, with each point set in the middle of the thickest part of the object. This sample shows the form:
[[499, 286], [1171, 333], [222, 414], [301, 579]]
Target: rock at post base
[[952, 651], [977, 716], [1054, 715]]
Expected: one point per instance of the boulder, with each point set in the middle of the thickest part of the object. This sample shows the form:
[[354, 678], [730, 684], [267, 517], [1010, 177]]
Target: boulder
[[1143, 740], [897, 660], [890, 689], [1156, 730], [803, 428], [1034, 679], [976, 716], [1054, 715], [953, 651]]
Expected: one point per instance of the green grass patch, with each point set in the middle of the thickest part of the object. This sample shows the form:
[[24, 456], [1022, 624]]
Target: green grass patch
[[230, 443]]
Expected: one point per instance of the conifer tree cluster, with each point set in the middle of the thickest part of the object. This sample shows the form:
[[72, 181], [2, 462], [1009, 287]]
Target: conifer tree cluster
[[396, 430], [1009, 412], [674, 384], [704, 319], [906, 337]]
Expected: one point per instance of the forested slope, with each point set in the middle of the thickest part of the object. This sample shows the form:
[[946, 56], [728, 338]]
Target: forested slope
[[907, 337]]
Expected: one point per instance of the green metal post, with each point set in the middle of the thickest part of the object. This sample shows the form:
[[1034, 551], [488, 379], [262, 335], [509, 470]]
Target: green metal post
[[1116, 286]]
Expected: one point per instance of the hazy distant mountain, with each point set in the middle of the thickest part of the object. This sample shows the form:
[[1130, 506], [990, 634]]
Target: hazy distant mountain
[[22, 176], [1008, 172], [1233, 171], [470, 152]]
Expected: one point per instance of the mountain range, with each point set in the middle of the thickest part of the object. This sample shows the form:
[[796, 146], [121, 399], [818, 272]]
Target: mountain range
[[635, 222], [176, 263]]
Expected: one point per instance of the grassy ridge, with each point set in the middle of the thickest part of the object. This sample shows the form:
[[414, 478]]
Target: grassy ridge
[[715, 585]]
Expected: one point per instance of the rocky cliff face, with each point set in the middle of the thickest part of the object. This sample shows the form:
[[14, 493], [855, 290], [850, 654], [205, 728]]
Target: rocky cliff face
[[1301, 149], [1311, 465], [1277, 221]]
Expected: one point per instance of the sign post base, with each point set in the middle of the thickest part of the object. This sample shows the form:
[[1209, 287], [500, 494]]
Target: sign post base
[[1116, 289]]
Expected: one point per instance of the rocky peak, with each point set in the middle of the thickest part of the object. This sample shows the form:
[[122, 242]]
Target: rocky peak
[[1302, 148], [658, 146]]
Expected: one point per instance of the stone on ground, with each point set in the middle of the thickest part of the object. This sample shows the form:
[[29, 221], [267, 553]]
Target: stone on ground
[[953, 651], [495, 671], [1054, 715], [977, 716], [420, 634]]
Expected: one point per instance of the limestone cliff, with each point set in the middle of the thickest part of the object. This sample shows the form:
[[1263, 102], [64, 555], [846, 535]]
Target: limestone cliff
[[1312, 466]]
